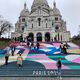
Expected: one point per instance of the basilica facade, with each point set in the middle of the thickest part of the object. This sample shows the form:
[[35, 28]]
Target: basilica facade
[[42, 23]]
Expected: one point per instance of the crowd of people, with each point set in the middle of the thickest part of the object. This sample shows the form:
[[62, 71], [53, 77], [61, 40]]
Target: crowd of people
[[33, 44], [36, 46], [10, 50]]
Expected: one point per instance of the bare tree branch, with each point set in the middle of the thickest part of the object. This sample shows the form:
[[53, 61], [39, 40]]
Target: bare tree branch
[[5, 26]]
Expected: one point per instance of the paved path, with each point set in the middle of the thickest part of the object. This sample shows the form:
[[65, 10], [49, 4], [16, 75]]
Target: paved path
[[38, 78]]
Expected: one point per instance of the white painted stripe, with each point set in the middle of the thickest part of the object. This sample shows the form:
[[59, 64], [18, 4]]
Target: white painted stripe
[[45, 61], [72, 57]]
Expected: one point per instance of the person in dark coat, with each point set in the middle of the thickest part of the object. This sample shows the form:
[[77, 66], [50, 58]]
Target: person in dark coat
[[61, 48], [38, 45], [12, 50], [59, 66], [28, 44], [65, 49]]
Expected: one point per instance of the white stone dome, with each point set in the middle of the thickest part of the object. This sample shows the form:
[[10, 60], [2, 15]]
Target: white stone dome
[[43, 4], [40, 2], [56, 11], [24, 12]]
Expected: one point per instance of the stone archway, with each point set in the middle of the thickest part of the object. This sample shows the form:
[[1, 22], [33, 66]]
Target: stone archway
[[47, 36], [39, 36], [30, 37]]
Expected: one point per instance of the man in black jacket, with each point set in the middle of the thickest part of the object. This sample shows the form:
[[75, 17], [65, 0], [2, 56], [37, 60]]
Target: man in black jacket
[[59, 66]]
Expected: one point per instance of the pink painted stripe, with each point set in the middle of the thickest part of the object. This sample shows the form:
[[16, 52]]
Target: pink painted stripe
[[77, 60], [57, 44], [26, 51], [15, 44], [53, 66], [50, 65], [65, 67]]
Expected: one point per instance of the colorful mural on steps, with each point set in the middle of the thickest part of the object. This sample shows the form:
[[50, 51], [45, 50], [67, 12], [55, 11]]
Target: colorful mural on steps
[[47, 55]]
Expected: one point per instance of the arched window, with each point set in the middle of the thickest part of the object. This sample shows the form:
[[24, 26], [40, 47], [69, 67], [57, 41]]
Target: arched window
[[39, 36], [23, 19], [32, 25], [57, 28], [47, 36], [39, 21], [56, 18], [23, 28], [58, 37], [31, 37], [61, 37], [46, 25]]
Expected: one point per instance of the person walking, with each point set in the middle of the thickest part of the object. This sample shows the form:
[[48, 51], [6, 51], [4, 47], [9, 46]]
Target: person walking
[[59, 66], [7, 55], [61, 48], [38, 45], [13, 50], [65, 49], [19, 61], [28, 43], [34, 46]]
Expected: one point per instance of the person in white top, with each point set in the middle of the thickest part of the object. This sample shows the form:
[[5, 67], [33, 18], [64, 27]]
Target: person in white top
[[7, 55]]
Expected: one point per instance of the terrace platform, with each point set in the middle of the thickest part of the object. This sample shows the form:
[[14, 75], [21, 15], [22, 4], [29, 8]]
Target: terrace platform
[[42, 62]]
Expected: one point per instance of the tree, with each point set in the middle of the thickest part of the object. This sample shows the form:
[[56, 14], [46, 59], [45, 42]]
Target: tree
[[5, 26]]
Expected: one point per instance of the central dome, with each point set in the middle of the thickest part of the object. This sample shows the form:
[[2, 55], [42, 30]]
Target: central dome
[[40, 2]]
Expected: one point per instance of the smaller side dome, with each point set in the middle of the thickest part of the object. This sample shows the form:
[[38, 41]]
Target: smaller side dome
[[25, 11], [56, 10]]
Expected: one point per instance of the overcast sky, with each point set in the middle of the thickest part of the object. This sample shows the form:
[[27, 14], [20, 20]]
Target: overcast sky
[[70, 10]]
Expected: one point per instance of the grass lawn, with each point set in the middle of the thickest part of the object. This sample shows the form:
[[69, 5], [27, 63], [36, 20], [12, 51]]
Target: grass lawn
[[3, 44]]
